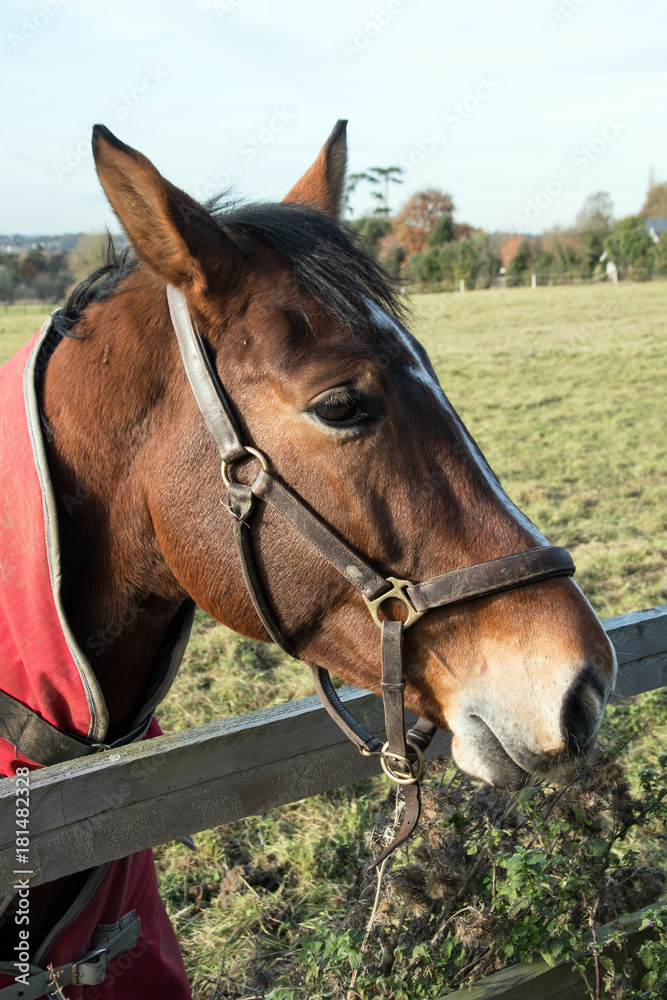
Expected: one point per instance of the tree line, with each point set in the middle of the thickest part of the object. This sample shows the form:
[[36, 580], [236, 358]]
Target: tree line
[[48, 276], [424, 244], [36, 274]]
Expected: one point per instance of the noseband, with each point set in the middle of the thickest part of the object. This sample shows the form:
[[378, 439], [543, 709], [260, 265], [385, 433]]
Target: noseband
[[401, 755]]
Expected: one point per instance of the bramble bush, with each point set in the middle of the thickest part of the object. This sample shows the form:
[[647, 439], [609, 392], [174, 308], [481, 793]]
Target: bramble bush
[[494, 879]]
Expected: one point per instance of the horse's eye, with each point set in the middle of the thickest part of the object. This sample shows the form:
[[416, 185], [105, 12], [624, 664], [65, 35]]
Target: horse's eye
[[339, 408]]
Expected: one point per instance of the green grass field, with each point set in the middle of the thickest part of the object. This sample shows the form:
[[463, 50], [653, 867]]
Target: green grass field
[[563, 388]]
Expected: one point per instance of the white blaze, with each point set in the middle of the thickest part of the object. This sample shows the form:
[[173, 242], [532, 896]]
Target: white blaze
[[418, 370]]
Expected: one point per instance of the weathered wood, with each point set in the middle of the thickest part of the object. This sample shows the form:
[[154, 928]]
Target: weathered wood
[[101, 808], [539, 981], [644, 674], [105, 807], [534, 981], [640, 641], [639, 633]]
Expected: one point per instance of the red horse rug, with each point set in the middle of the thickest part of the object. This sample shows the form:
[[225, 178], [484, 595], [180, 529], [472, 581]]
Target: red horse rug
[[116, 940]]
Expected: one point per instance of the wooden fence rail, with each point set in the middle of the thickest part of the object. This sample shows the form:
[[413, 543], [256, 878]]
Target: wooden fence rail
[[104, 807]]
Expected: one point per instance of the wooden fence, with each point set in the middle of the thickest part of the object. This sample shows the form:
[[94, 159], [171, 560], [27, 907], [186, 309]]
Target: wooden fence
[[104, 807], [537, 980]]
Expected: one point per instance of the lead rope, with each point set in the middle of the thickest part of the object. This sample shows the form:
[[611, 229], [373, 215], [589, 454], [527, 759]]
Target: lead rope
[[403, 761]]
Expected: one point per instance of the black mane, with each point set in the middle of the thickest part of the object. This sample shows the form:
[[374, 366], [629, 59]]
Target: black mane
[[327, 258], [97, 285]]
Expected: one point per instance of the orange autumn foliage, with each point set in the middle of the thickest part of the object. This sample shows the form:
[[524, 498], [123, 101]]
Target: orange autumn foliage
[[417, 219]]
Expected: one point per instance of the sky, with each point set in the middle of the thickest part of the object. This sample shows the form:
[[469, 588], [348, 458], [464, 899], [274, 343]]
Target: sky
[[519, 109]]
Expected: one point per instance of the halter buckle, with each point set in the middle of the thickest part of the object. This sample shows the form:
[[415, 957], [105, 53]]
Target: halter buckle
[[398, 591]]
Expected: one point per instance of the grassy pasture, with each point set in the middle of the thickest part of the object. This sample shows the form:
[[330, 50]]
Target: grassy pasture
[[563, 388], [17, 324]]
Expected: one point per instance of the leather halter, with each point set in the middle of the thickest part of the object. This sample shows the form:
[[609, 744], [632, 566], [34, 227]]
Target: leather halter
[[402, 755]]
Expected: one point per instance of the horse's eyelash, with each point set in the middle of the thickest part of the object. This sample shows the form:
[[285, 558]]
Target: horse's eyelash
[[339, 397]]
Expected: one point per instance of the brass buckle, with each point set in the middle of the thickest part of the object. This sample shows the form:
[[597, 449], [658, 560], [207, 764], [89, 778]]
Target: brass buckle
[[403, 779], [262, 459], [397, 591], [98, 968]]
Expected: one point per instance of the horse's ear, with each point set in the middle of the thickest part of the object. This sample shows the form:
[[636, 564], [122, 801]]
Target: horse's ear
[[169, 230], [324, 184]]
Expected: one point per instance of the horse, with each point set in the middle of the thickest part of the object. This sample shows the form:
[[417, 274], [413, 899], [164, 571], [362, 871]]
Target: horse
[[322, 396]]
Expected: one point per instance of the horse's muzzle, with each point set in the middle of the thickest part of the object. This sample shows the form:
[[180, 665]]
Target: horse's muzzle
[[510, 749]]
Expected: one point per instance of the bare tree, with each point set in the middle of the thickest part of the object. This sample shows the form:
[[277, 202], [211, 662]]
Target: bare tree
[[353, 181], [596, 215], [89, 254], [655, 205], [384, 176]]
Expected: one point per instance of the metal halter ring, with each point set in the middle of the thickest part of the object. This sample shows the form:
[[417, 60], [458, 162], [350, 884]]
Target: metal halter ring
[[398, 591], [262, 459], [403, 779]]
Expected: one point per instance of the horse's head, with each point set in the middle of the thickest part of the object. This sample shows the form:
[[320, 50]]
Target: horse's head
[[306, 335]]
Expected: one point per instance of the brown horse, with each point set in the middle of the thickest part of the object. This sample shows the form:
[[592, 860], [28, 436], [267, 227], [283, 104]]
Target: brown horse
[[305, 334]]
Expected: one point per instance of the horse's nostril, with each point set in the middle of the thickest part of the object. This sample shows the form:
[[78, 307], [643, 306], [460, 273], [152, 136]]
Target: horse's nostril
[[582, 710]]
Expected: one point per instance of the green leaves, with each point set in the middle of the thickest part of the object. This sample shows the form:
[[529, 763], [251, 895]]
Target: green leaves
[[497, 879]]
